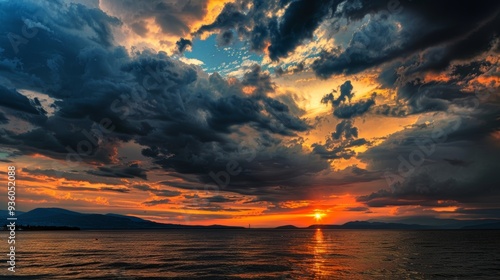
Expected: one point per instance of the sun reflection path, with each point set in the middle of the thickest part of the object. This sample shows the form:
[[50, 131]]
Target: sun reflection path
[[319, 252]]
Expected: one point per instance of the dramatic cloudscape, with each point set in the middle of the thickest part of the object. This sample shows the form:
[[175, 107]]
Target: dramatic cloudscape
[[253, 112]]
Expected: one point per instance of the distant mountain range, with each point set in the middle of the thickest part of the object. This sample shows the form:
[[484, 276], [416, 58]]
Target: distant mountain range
[[58, 217], [447, 224], [442, 223], [372, 225]]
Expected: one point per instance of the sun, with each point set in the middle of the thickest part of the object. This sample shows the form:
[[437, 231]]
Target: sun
[[318, 216]]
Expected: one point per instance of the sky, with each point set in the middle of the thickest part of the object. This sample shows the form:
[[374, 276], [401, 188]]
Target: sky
[[253, 112]]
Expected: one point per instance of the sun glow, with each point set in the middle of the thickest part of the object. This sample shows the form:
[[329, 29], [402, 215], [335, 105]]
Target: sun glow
[[318, 216]]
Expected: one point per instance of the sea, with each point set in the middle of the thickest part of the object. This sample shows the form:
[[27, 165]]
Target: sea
[[255, 254]]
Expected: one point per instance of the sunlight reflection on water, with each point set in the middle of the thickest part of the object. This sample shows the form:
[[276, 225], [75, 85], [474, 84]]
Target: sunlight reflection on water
[[257, 254]]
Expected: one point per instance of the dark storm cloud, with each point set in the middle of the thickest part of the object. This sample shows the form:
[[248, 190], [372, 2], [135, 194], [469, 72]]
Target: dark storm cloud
[[345, 129], [300, 20], [421, 36], [414, 169], [156, 202], [286, 121], [283, 35], [174, 17], [111, 189], [353, 110], [157, 191], [182, 44], [255, 77], [414, 95], [357, 209], [12, 99], [443, 32], [396, 29], [268, 170], [425, 190], [90, 84], [229, 18], [271, 173], [219, 199], [357, 55], [432, 96], [345, 92], [456, 162], [105, 189], [338, 152], [390, 110], [187, 121], [356, 10], [340, 143], [64, 66], [478, 213], [258, 37], [33, 141], [131, 171], [3, 118], [342, 106], [470, 70], [240, 109], [225, 38], [72, 176], [234, 110]]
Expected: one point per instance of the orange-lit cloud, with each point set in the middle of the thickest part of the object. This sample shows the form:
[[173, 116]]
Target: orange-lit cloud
[[141, 28]]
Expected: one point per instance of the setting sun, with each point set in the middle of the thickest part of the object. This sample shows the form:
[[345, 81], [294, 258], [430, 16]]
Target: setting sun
[[318, 216]]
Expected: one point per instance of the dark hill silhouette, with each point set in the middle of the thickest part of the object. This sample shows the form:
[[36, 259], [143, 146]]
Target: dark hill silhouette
[[287, 227], [446, 224], [58, 217]]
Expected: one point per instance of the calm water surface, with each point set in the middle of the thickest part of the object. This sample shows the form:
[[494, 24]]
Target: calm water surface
[[256, 254]]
